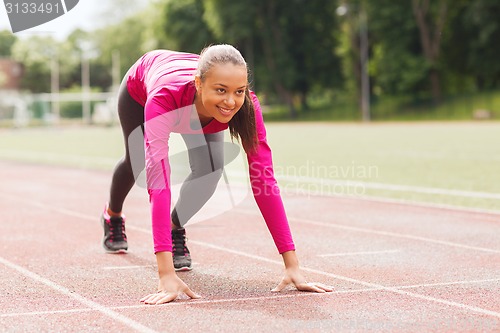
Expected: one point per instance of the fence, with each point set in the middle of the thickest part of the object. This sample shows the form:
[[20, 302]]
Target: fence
[[20, 110]]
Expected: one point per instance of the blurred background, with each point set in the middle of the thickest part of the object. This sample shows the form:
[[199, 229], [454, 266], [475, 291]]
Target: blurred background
[[382, 98], [310, 60]]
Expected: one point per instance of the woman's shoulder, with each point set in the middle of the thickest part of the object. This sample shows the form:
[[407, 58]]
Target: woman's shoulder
[[178, 94], [160, 54]]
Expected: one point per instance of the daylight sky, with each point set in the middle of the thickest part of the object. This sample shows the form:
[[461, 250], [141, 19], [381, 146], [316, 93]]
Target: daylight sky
[[88, 14]]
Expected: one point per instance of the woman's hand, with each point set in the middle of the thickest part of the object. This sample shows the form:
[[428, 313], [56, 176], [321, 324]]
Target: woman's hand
[[293, 275], [169, 288], [170, 285]]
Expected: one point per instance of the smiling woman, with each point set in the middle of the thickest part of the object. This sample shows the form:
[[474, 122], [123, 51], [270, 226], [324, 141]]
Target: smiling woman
[[216, 92], [222, 77], [199, 97]]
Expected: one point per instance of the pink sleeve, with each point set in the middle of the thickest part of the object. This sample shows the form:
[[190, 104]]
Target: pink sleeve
[[265, 188], [157, 129]]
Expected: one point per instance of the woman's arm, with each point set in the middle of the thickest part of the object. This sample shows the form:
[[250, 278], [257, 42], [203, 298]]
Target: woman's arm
[[265, 188], [157, 129], [268, 198], [294, 275]]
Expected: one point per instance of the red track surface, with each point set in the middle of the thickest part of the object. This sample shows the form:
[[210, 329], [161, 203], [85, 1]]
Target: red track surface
[[395, 267]]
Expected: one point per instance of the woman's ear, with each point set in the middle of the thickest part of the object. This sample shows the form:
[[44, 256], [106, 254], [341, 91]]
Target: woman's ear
[[197, 83]]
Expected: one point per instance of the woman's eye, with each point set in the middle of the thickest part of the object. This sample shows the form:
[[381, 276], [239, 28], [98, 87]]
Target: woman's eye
[[240, 92], [220, 90]]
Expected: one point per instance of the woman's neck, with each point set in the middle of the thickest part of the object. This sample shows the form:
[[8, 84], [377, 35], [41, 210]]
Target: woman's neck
[[201, 112]]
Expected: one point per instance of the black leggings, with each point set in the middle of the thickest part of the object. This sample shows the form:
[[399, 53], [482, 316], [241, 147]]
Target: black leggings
[[206, 161]]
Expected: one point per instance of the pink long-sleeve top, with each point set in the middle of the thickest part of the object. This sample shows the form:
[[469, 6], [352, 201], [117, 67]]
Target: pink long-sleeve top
[[162, 81]]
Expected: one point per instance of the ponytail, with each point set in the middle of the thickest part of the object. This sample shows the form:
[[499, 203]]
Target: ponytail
[[242, 125]]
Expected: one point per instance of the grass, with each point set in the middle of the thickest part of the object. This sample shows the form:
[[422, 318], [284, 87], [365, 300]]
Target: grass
[[453, 156], [339, 107], [75, 146]]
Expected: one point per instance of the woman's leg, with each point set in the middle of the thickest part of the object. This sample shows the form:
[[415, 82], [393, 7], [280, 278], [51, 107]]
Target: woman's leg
[[206, 160], [131, 115]]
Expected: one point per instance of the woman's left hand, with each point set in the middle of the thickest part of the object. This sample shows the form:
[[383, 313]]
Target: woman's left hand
[[294, 276]]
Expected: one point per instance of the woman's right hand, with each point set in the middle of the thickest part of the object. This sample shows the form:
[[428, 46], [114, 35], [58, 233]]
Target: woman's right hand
[[170, 285], [169, 288]]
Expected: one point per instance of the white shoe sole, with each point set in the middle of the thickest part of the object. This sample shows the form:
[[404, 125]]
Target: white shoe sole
[[120, 251], [183, 269]]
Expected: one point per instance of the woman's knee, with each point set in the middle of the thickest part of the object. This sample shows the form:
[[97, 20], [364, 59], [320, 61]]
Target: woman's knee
[[210, 181]]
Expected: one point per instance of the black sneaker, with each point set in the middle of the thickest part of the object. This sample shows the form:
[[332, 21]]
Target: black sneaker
[[180, 253], [114, 240]]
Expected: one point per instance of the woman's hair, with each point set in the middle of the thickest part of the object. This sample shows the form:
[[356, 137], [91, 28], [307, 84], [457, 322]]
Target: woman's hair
[[242, 125]]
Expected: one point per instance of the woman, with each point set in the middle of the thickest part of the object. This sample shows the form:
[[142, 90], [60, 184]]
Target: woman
[[199, 97]]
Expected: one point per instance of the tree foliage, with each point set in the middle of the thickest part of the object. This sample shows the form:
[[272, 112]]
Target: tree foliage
[[474, 32], [418, 49], [182, 26], [289, 44], [35, 53], [397, 65], [7, 40]]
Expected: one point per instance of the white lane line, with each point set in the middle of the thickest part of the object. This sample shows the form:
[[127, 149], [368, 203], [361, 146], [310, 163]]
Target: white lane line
[[315, 271], [190, 302], [357, 253], [126, 267], [55, 157], [378, 232], [48, 207], [250, 299], [93, 305], [421, 204], [41, 313], [253, 299], [444, 284], [391, 187], [152, 266], [355, 281], [375, 198], [333, 183]]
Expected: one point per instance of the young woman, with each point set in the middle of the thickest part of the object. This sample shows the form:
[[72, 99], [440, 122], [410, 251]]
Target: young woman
[[199, 97]]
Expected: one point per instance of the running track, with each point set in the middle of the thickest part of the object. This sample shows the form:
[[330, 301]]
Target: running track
[[395, 267]]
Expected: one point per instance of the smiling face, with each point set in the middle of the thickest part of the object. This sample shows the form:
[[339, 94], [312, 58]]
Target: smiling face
[[221, 93]]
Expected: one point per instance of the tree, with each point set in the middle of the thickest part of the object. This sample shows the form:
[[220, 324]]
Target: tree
[[314, 25], [289, 43], [397, 64], [7, 39], [126, 38], [234, 23], [468, 46], [35, 53], [183, 28], [430, 21]]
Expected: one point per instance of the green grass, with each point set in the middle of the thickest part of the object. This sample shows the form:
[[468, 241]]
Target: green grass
[[455, 156], [76, 146], [461, 156], [340, 107]]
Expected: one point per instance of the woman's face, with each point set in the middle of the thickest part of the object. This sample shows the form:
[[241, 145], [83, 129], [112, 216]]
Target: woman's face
[[222, 93]]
